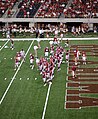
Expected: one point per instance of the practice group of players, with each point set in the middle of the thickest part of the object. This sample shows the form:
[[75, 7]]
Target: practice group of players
[[53, 57], [47, 65], [77, 57]]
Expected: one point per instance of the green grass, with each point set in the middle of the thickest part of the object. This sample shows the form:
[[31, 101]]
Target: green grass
[[26, 98], [67, 35]]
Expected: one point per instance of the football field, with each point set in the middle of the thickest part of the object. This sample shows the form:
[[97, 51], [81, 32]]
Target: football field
[[22, 92]]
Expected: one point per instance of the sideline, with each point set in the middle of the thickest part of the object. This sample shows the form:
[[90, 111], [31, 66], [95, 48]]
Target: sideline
[[28, 39], [15, 75]]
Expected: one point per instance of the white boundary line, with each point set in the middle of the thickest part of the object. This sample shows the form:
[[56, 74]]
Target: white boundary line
[[4, 45], [24, 39], [45, 106], [15, 75], [66, 84]]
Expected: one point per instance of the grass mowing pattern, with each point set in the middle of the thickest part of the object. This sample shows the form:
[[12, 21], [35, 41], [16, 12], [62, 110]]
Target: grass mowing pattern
[[26, 98]]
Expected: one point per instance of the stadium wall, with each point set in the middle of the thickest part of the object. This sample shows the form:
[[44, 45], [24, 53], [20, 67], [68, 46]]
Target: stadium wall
[[63, 20]]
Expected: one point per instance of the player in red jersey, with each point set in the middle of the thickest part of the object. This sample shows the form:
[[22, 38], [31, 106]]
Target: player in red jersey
[[44, 76], [31, 61], [73, 71], [55, 41], [18, 55], [17, 60]]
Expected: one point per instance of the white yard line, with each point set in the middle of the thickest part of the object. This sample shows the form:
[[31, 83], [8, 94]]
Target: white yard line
[[66, 85], [45, 106], [14, 75], [4, 45]]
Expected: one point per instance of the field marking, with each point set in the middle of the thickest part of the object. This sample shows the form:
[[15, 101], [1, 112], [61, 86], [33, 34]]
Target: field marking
[[95, 69], [15, 75], [86, 74], [45, 106], [66, 84], [81, 88], [85, 46], [88, 78], [4, 45], [28, 39], [80, 70]]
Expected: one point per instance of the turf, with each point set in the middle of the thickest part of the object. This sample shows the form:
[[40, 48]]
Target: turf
[[67, 35], [26, 97]]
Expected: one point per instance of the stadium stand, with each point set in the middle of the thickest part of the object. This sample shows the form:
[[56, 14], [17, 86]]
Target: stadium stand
[[52, 8], [6, 5], [82, 9], [28, 8]]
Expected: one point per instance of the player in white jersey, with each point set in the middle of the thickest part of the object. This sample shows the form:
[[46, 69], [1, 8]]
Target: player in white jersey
[[67, 56], [31, 61], [8, 34], [46, 52], [37, 61], [38, 40], [84, 58], [22, 53], [51, 43], [35, 50]]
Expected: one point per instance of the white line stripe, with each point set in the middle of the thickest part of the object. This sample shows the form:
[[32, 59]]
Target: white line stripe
[[43, 116], [85, 46], [15, 75], [28, 39], [95, 69], [88, 78], [90, 74], [4, 45], [80, 70], [66, 84]]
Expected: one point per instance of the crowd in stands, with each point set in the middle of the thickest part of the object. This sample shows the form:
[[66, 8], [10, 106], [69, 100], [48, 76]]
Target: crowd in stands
[[27, 9], [6, 4], [82, 9], [51, 8], [54, 9]]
